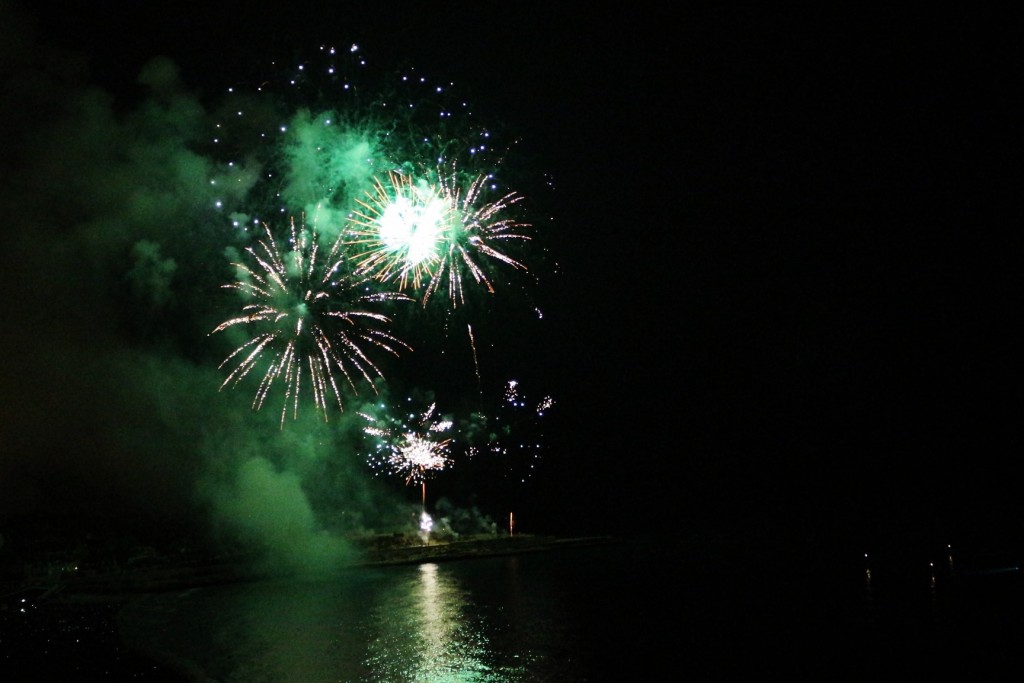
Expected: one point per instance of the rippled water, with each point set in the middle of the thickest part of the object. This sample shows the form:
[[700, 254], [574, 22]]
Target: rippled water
[[616, 612]]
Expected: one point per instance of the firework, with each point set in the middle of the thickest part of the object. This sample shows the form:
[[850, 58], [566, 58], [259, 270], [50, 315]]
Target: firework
[[309, 318], [413, 449], [434, 236], [400, 230]]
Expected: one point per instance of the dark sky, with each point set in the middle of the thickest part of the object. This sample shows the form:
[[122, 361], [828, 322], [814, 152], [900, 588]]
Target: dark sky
[[789, 276]]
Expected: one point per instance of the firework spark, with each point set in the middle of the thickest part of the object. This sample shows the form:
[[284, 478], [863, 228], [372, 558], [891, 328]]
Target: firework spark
[[309, 319], [513, 433], [433, 236]]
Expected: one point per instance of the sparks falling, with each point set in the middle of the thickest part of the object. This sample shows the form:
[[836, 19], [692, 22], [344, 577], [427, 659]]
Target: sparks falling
[[309, 318]]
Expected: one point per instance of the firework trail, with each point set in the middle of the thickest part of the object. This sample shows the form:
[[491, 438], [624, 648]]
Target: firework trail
[[308, 318], [476, 362]]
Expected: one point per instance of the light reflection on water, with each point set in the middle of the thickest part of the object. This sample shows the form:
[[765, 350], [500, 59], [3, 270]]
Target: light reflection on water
[[426, 633], [459, 621]]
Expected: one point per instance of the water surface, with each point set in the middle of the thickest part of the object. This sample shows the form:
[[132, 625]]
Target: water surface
[[615, 612]]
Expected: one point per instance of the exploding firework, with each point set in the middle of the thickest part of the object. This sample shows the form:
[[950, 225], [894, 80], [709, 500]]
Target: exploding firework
[[413, 449], [435, 235], [399, 232], [309, 318]]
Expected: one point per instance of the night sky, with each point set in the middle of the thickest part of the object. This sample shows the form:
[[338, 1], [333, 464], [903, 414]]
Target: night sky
[[779, 276]]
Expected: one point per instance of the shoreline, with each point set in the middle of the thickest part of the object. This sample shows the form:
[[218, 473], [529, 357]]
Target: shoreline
[[165, 574]]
